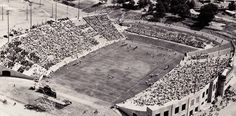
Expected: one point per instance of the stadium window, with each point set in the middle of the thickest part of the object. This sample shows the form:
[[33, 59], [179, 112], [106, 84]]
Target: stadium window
[[166, 113], [202, 103], [203, 94], [207, 91], [198, 99], [135, 114], [196, 109], [183, 107], [191, 113], [214, 87], [192, 103], [176, 110], [158, 114], [6, 73]]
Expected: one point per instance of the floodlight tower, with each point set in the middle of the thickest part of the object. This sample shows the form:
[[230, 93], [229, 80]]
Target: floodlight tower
[[27, 13], [67, 8], [78, 8], [8, 28], [56, 10], [40, 3], [2, 13], [52, 8], [30, 4]]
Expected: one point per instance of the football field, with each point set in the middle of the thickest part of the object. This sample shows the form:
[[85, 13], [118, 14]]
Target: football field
[[118, 71]]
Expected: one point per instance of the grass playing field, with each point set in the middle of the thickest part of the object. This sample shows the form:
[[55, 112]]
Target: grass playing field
[[118, 69]]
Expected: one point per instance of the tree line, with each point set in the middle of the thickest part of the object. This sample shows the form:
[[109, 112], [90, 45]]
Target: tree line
[[159, 8]]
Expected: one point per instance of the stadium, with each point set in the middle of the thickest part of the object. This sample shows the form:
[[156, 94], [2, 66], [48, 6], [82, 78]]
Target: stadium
[[135, 67]]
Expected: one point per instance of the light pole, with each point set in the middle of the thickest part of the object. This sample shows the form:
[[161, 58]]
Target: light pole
[[40, 3], [30, 4], [8, 28], [2, 13], [52, 8], [27, 13], [78, 8], [66, 10], [56, 11]]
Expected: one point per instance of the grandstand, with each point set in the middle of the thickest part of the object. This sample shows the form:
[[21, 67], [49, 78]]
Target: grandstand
[[175, 36], [50, 43], [103, 25], [191, 84]]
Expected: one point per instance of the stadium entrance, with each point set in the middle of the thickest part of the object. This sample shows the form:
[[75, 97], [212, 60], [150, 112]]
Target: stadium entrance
[[6, 73]]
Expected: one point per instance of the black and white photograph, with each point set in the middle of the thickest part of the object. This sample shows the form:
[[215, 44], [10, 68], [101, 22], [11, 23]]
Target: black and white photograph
[[117, 57]]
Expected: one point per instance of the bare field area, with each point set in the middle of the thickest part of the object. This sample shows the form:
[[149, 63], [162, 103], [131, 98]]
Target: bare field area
[[16, 91], [116, 70]]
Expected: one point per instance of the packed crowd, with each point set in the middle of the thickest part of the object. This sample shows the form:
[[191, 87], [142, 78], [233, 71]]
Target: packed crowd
[[13, 54], [50, 43], [104, 26], [56, 41], [181, 81], [170, 35], [47, 45]]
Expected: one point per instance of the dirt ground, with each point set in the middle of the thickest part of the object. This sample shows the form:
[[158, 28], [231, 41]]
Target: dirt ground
[[116, 70], [16, 90], [229, 110]]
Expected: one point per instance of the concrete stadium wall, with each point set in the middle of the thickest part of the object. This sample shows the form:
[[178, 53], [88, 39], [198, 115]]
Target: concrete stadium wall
[[192, 101], [221, 50], [14, 73], [230, 78], [131, 112]]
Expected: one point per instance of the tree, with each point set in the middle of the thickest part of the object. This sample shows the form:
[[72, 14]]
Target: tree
[[207, 14], [180, 7], [191, 4], [129, 4], [173, 3], [151, 8], [143, 3], [114, 1], [103, 1], [166, 4], [182, 10], [120, 1], [159, 10], [232, 6]]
